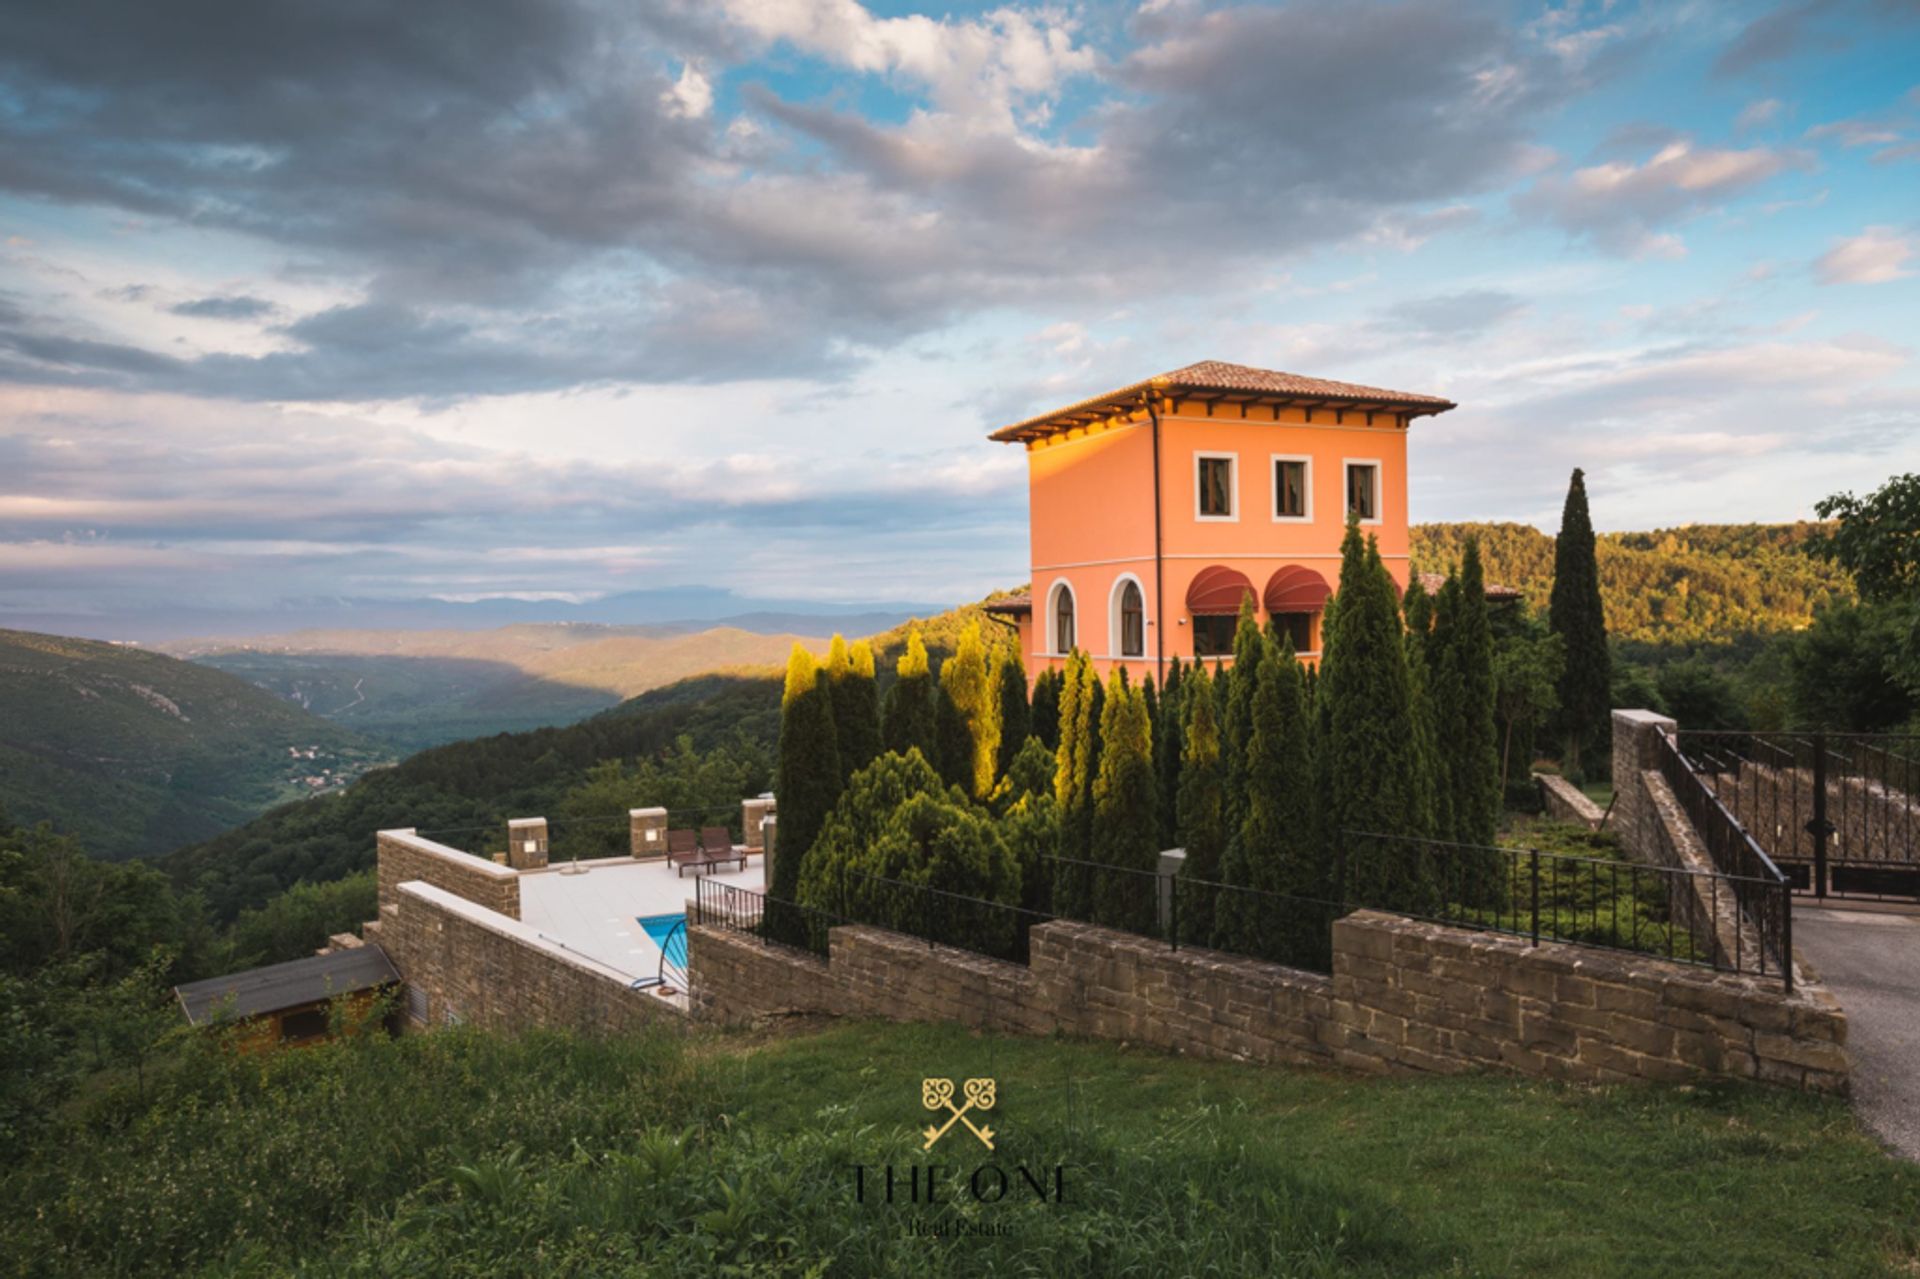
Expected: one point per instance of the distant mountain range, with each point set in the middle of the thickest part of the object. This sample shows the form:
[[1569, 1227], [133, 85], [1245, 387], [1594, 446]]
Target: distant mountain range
[[136, 753], [683, 607], [414, 689]]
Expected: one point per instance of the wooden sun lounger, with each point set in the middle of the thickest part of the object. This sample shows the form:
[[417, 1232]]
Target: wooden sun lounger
[[718, 843], [683, 850]]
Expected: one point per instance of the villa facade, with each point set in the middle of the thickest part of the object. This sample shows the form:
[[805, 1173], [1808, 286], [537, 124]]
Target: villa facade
[[1157, 508]]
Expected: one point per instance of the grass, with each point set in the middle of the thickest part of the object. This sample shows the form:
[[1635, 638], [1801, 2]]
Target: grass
[[461, 1153]]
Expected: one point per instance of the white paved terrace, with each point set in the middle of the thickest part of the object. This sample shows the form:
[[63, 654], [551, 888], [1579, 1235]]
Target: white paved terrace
[[597, 912]]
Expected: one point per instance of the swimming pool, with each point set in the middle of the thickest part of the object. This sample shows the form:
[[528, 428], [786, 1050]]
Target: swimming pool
[[669, 937]]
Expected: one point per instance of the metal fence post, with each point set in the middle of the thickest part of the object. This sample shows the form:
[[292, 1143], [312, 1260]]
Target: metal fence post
[[1533, 869], [1173, 910], [1820, 828], [926, 916]]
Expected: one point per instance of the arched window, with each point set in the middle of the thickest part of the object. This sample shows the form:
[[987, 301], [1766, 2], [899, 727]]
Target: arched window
[[1130, 619], [1063, 636]]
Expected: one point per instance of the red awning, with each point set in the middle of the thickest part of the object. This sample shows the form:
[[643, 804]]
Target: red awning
[[1296, 590], [1217, 590]]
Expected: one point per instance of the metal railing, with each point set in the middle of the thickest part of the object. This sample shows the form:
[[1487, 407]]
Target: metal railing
[[1710, 919], [1838, 812], [771, 919], [1763, 895]]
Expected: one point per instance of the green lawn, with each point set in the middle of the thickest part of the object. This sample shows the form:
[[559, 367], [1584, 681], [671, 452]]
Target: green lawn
[[460, 1153]]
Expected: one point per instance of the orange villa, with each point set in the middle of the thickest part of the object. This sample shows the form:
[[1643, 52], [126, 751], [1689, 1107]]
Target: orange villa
[[1156, 508]]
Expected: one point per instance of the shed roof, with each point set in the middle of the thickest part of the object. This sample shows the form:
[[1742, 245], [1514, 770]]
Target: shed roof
[[288, 985], [1216, 379]]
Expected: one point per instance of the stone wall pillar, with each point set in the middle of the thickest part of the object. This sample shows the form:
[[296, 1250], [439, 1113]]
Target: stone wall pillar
[[768, 829], [752, 813], [527, 843], [1636, 743], [647, 832]]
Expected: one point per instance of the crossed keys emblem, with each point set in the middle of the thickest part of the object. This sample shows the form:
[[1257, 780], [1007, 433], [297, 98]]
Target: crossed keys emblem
[[937, 1094]]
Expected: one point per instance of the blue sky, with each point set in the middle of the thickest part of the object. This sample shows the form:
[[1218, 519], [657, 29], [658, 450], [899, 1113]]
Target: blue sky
[[457, 300]]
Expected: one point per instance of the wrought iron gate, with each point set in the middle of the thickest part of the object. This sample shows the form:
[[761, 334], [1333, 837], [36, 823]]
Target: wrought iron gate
[[1838, 812]]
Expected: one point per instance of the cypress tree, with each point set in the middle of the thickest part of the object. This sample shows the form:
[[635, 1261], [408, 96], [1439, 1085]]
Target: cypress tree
[[907, 720], [967, 680], [1125, 819], [856, 704], [1073, 778], [952, 738], [1473, 752], [807, 782], [1574, 613], [1045, 709], [1202, 801], [1275, 850], [1236, 725], [1432, 796], [1015, 714], [1372, 757], [1168, 739]]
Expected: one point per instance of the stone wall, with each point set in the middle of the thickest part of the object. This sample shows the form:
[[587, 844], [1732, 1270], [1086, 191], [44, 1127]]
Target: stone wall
[[1426, 997], [1636, 746], [476, 966], [403, 856], [1404, 997], [1566, 802]]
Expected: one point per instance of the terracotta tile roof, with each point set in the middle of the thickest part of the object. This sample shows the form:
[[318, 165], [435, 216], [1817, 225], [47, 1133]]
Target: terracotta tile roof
[[1432, 582], [1010, 604], [1231, 382]]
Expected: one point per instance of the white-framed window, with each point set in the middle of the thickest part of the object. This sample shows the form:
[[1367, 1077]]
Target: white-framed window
[[1362, 488], [1216, 487], [1127, 618], [1292, 488], [1061, 617]]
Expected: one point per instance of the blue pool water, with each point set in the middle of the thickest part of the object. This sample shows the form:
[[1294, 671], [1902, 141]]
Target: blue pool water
[[668, 937]]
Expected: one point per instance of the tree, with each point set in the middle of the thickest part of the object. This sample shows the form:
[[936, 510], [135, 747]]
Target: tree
[[856, 704], [1432, 797], [1236, 725], [1469, 736], [1843, 671], [1126, 823], [1875, 538], [1169, 740], [1015, 714], [1075, 765], [1373, 756], [807, 782], [967, 681], [907, 721], [1575, 614], [1045, 708], [857, 821], [1275, 851], [1202, 801], [1526, 692]]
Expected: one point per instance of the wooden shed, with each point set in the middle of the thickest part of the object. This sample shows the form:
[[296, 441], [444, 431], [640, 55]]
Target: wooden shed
[[288, 1003]]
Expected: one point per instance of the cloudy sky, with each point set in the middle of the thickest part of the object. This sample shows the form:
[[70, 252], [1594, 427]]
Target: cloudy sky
[[468, 298]]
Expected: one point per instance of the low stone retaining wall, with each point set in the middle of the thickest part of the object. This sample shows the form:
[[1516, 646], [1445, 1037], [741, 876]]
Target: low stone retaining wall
[[1405, 997], [402, 857], [465, 963], [1566, 802]]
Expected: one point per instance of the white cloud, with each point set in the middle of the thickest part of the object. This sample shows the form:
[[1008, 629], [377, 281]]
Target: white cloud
[[691, 96], [978, 69], [1621, 205], [1757, 113], [1876, 256]]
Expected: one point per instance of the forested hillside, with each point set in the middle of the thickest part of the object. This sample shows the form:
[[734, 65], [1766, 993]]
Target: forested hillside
[[135, 753], [1702, 583], [478, 783]]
